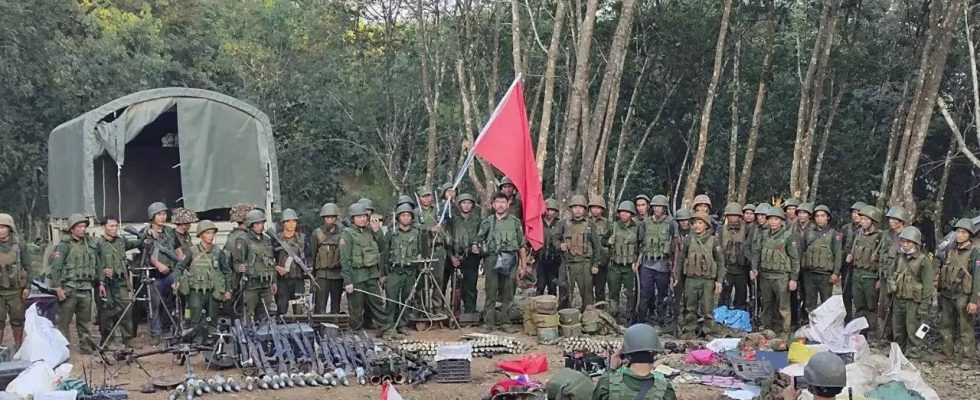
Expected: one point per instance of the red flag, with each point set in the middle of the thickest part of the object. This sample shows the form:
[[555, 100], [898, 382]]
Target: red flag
[[505, 143]]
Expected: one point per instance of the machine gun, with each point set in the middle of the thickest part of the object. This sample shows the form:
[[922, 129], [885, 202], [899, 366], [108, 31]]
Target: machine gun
[[152, 242], [285, 358]]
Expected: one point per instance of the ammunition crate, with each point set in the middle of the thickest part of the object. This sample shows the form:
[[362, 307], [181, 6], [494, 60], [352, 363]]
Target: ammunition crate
[[452, 371]]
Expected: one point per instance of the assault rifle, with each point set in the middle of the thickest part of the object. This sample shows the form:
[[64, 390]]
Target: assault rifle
[[296, 259], [284, 354], [152, 242], [334, 350]]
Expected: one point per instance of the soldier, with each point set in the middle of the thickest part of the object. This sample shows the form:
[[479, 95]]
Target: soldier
[[888, 251], [799, 229], [326, 261], [749, 221], [822, 257], [789, 207], [501, 242], [653, 266], [260, 269], [642, 203], [162, 300], [434, 239], [623, 242], [201, 278], [911, 284], [182, 219], [235, 253], [362, 269], [849, 230], [405, 199], [703, 266], [367, 203], [702, 203], [779, 265], [736, 239], [549, 257], [115, 275], [74, 270], [681, 230], [290, 281], [597, 214], [15, 262], [465, 228], [748, 214], [959, 290], [825, 375], [515, 207], [404, 248], [580, 253], [864, 258], [635, 379]]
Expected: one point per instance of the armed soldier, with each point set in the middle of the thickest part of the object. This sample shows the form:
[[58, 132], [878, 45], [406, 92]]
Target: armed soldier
[[465, 228], [260, 269], [501, 242], [235, 253], [681, 230], [201, 277], [642, 203], [623, 241], [182, 219], [447, 197], [865, 258], [74, 271], [799, 229], [362, 268], [15, 262], [779, 269], [849, 230], [789, 208], [326, 256], [580, 248], [702, 203], [655, 236], [888, 251], [115, 274], [515, 206], [749, 221], [822, 257], [435, 239], [635, 379], [162, 301], [404, 248], [548, 258], [911, 284], [597, 214], [291, 276], [703, 266], [959, 294], [736, 239]]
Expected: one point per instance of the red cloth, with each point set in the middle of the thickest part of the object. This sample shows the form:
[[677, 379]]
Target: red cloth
[[528, 365], [506, 144]]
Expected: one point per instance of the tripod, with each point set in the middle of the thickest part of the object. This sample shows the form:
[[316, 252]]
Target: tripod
[[429, 283], [147, 284]]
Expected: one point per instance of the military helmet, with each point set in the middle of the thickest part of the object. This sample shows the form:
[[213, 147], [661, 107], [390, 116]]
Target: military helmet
[[963, 223], [6, 219], [822, 208], [790, 202], [871, 212], [597, 201], [404, 208], [702, 199], [254, 216], [733, 208], [578, 200], [805, 207], [776, 212], [288, 215], [423, 191], [659, 200], [464, 197], [238, 212], [702, 216], [898, 213], [857, 206], [357, 209], [911, 234], [207, 225], [444, 187], [155, 208], [76, 219], [642, 197], [368, 204], [552, 204], [505, 181], [641, 338], [627, 206], [181, 215], [748, 206], [328, 210], [825, 369], [763, 208], [682, 214], [405, 199]]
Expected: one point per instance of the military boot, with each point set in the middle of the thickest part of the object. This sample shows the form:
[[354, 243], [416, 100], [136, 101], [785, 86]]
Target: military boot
[[614, 308]]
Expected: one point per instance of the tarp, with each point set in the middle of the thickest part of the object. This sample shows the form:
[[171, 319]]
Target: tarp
[[226, 149]]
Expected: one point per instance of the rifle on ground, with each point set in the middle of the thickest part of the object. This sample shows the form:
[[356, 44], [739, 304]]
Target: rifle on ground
[[334, 373], [281, 352]]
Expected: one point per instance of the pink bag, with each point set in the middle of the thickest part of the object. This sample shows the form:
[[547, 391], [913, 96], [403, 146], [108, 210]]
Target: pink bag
[[702, 357]]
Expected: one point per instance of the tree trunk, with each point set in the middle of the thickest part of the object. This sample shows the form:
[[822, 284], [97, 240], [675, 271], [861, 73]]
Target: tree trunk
[[760, 100], [680, 172], [733, 143], [892, 142], [549, 87], [640, 146], [943, 14], [430, 97], [937, 218], [624, 133], [958, 139], [835, 103], [692, 178], [481, 188], [515, 35]]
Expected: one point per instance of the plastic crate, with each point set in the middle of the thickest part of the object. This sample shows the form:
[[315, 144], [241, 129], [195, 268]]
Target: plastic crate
[[452, 371]]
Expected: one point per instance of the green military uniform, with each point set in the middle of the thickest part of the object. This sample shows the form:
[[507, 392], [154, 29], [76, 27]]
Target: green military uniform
[[888, 252], [404, 247], [703, 266], [602, 227], [500, 236], [679, 235], [326, 264], [582, 254], [15, 262], [911, 284], [234, 253], [822, 257], [958, 286], [849, 230], [361, 266], [779, 263], [736, 245], [292, 282], [623, 250], [866, 272], [74, 268], [464, 231], [112, 255], [434, 244], [201, 279], [260, 270], [548, 257], [624, 384]]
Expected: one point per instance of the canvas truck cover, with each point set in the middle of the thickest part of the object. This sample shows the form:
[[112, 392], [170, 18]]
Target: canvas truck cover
[[226, 150]]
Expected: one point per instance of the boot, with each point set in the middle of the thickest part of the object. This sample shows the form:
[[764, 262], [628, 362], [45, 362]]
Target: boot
[[18, 336], [614, 308]]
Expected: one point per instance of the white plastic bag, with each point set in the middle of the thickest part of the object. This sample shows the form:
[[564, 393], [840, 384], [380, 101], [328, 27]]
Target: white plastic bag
[[41, 340], [38, 378], [901, 369]]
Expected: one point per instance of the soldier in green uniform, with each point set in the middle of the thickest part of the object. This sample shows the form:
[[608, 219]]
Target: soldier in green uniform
[[580, 253], [849, 230], [597, 214], [326, 261], [434, 241], [959, 294], [112, 259], [404, 248], [361, 249], [682, 229], [822, 257], [465, 228], [182, 219], [234, 252], [74, 270], [803, 220], [548, 258], [642, 203], [779, 270], [15, 273], [653, 266], [260, 269], [623, 242], [888, 251], [291, 276], [911, 284], [748, 219], [736, 239], [501, 242], [867, 274], [789, 207], [515, 207], [702, 203], [635, 379], [799, 229], [703, 265], [201, 278]]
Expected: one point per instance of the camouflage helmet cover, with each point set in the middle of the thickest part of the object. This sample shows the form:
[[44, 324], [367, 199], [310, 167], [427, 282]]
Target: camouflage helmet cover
[[238, 212], [182, 215]]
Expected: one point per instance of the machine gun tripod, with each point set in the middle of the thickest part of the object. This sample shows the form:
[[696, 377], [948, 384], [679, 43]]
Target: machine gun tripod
[[426, 317]]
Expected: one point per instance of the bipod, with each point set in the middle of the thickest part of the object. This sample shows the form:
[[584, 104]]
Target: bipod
[[424, 303]]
